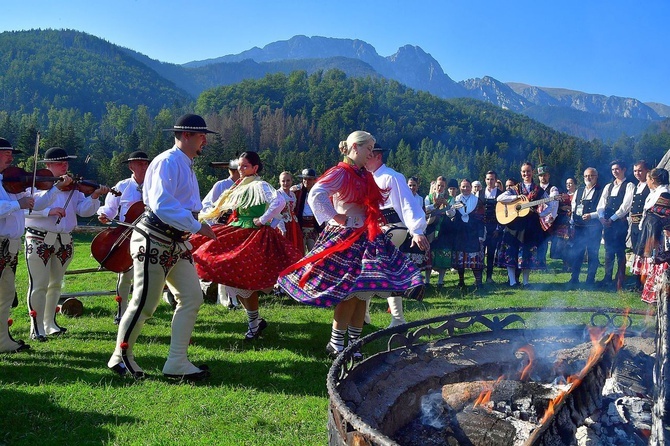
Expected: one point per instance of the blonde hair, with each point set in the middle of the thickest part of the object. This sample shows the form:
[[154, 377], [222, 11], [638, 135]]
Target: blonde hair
[[286, 172], [358, 137]]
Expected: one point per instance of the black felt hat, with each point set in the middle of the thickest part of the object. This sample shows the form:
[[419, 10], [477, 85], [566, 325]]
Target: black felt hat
[[6, 145], [136, 155], [56, 154], [542, 169], [190, 123], [379, 148], [452, 183], [307, 173], [232, 164]]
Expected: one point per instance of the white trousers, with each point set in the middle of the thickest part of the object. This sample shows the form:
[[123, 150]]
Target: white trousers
[[8, 262], [47, 259], [157, 261]]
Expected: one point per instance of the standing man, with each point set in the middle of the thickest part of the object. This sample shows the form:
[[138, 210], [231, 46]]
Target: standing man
[[551, 191], [400, 207], [640, 170], [49, 247], [588, 228], [131, 193], [310, 227], [613, 208], [488, 196], [161, 253], [12, 226]]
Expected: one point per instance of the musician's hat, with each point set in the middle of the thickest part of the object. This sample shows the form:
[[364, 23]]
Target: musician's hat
[[379, 148], [55, 154], [231, 165], [190, 123], [452, 183], [542, 169], [6, 145], [136, 156], [307, 173]]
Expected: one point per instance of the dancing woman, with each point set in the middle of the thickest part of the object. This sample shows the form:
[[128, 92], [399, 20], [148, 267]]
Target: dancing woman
[[352, 260], [248, 253]]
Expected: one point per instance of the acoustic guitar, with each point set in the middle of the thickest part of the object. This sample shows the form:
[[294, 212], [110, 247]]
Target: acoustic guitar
[[520, 207], [432, 215]]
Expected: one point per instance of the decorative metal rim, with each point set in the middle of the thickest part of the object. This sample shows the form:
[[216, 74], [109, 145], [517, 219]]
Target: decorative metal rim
[[402, 336]]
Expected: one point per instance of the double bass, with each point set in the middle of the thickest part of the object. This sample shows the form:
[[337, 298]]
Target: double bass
[[111, 247]]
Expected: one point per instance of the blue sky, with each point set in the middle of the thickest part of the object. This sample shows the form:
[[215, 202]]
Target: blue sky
[[610, 47]]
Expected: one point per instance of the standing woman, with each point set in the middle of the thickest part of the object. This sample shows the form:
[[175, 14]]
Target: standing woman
[[468, 235], [563, 233], [292, 227], [352, 260], [248, 253], [651, 243]]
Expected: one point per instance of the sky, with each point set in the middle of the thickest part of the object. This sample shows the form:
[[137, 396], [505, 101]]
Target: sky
[[608, 47]]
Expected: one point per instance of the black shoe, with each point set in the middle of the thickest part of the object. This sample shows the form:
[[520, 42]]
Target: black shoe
[[461, 284], [22, 347], [39, 338], [415, 293], [515, 285], [61, 331], [332, 351], [204, 373], [120, 369], [251, 335]]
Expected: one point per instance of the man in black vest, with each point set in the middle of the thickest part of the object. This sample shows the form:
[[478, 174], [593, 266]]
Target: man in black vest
[[308, 224], [551, 191], [613, 208], [640, 170], [488, 196], [588, 228]]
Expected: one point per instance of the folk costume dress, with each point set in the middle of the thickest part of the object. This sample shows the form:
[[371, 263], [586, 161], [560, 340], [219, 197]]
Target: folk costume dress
[[652, 242], [440, 246], [244, 256], [354, 260], [290, 219], [522, 236], [468, 234]]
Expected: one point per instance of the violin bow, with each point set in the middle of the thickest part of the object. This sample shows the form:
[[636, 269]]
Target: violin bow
[[37, 148]]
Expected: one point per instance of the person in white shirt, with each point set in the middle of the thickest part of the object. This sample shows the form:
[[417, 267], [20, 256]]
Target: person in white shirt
[[49, 247], [543, 175], [161, 254], [613, 207], [13, 200], [225, 296], [400, 207], [119, 205]]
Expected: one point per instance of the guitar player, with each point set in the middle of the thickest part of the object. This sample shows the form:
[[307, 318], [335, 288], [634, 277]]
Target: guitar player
[[519, 248]]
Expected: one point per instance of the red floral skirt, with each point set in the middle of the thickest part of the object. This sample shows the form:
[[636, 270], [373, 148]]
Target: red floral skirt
[[249, 259]]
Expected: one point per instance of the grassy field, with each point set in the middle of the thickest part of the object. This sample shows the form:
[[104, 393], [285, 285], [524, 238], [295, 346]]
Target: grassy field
[[269, 392]]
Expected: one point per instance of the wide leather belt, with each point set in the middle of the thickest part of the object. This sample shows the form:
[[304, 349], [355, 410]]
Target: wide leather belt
[[152, 221], [391, 216]]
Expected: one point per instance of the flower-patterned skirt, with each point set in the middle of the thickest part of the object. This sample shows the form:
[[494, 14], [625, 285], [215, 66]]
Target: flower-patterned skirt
[[367, 267]]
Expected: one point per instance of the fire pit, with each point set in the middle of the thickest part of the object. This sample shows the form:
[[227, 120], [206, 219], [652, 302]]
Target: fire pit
[[495, 377]]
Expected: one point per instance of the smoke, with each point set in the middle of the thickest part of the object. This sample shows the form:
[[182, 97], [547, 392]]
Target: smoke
[[432, 410]]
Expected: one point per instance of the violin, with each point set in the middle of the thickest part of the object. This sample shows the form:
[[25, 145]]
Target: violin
[[87, 187], [16, 180]]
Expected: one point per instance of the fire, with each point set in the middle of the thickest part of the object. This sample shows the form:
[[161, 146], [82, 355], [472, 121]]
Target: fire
[[485, 396], [530, 352], [615, 339]]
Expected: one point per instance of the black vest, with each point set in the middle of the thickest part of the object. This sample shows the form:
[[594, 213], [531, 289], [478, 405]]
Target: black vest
[[588, 206], [638, 204], [614, 201], [489, 206]]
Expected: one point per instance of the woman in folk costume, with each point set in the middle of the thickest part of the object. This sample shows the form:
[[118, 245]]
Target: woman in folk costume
[[248, 253], [352, 260], [468, 235], [292, 229], [652, 242]]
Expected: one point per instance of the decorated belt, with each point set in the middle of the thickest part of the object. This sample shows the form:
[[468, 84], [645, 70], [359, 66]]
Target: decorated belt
[[391, 216], [36, 232], [636, 218], [152, 221]]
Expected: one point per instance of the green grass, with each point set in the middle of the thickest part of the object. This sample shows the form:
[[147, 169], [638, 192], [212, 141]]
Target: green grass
[[269, 392]]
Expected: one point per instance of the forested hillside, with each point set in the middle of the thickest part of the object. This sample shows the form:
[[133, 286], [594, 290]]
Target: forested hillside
[[296, 121]]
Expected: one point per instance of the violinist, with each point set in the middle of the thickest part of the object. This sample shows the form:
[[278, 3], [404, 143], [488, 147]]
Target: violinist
[[131, 193], [49, 247], [12, 225]]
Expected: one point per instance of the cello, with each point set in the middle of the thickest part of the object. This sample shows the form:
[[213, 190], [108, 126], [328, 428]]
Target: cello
[[111, 247]]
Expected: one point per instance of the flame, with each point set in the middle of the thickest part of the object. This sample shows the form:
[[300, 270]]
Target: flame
[[530, 352], [485, 396]]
